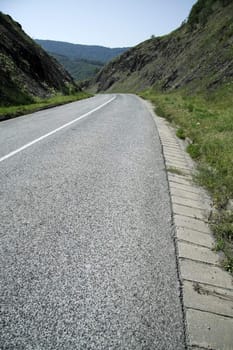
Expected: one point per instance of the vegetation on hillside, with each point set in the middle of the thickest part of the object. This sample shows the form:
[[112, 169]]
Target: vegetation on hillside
[[79, 69], [81, 61], [203, 9]]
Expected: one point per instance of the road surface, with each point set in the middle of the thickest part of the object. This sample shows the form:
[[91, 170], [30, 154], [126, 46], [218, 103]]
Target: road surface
[[87, 253]]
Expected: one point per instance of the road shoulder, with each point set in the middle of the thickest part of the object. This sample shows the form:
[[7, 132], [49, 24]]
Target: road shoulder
[[207, 289]]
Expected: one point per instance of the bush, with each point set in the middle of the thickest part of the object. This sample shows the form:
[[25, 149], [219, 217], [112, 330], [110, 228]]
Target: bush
[[181, 134], [194, 150]]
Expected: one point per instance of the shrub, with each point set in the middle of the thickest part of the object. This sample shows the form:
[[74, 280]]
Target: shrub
[[181, 133]]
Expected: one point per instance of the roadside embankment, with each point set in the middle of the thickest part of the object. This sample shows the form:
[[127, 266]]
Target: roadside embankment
[[205, 122], [8, 112], [206, 289]]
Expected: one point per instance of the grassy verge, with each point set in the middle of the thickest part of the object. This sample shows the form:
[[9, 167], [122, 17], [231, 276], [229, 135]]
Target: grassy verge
[[207, 122], [39, 104]]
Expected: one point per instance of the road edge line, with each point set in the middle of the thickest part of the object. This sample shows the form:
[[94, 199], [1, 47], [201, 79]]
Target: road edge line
[[29, 144]]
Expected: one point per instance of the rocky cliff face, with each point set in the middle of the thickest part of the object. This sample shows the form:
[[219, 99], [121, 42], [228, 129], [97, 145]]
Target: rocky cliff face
[[26, 70], [198, 55]]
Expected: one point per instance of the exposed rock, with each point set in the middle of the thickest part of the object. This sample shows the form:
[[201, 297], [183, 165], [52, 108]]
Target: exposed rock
[[196, 56], [230, 205], [26, 70]]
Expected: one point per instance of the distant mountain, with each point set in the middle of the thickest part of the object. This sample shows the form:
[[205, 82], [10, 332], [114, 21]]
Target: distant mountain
[[26, 70], [81, 61], [79, 69], [198, 55], [86, 52]]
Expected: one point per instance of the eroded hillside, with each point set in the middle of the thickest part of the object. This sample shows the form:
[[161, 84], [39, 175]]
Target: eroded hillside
[[26, 70], [196, 56]]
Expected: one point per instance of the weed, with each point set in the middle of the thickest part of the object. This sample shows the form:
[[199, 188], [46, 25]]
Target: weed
[[228, 265], [190, 107], [194, 150], [219, 245], [181, 134]]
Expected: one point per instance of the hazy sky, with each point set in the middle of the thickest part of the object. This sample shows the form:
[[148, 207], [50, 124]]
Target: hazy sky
[[112, 23]]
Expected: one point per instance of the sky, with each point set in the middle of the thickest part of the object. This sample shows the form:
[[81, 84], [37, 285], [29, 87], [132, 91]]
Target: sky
[[111, 23]]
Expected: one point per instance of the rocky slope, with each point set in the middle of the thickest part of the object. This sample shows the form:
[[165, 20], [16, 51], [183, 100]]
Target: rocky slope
[[196, 56], [26, 70]]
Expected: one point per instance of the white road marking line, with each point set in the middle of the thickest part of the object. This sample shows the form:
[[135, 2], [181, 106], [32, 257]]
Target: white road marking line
[[54, 131]]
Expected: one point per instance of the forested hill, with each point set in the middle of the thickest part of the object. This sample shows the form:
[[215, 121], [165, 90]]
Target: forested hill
[[81, 61]]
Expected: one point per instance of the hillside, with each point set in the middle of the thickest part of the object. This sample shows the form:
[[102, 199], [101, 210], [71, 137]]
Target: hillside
[[79, 69], [26, 70], [196, 56]]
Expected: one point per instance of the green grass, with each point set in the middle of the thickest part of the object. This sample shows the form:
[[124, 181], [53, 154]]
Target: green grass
[[207, 121], [14, 111]]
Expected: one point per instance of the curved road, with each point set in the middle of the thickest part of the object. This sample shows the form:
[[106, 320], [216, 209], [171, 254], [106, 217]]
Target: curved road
[[86, 248]]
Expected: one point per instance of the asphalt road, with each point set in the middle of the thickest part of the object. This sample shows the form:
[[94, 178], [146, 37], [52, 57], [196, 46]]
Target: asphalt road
[[86, 248]]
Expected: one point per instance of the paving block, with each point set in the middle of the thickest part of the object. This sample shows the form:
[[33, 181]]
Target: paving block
[[204, 273], [192, 236], [176, 164], [194, 252], [180, 179], [206, 298], [183, 193], [209, 331], [170, 143], [170, 154], [186, 188], [181, 209], [171, 139], [165, 131], [172, 149], [194, 224], [190, 203], [183, 170], [176, 160], [173, 153]]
